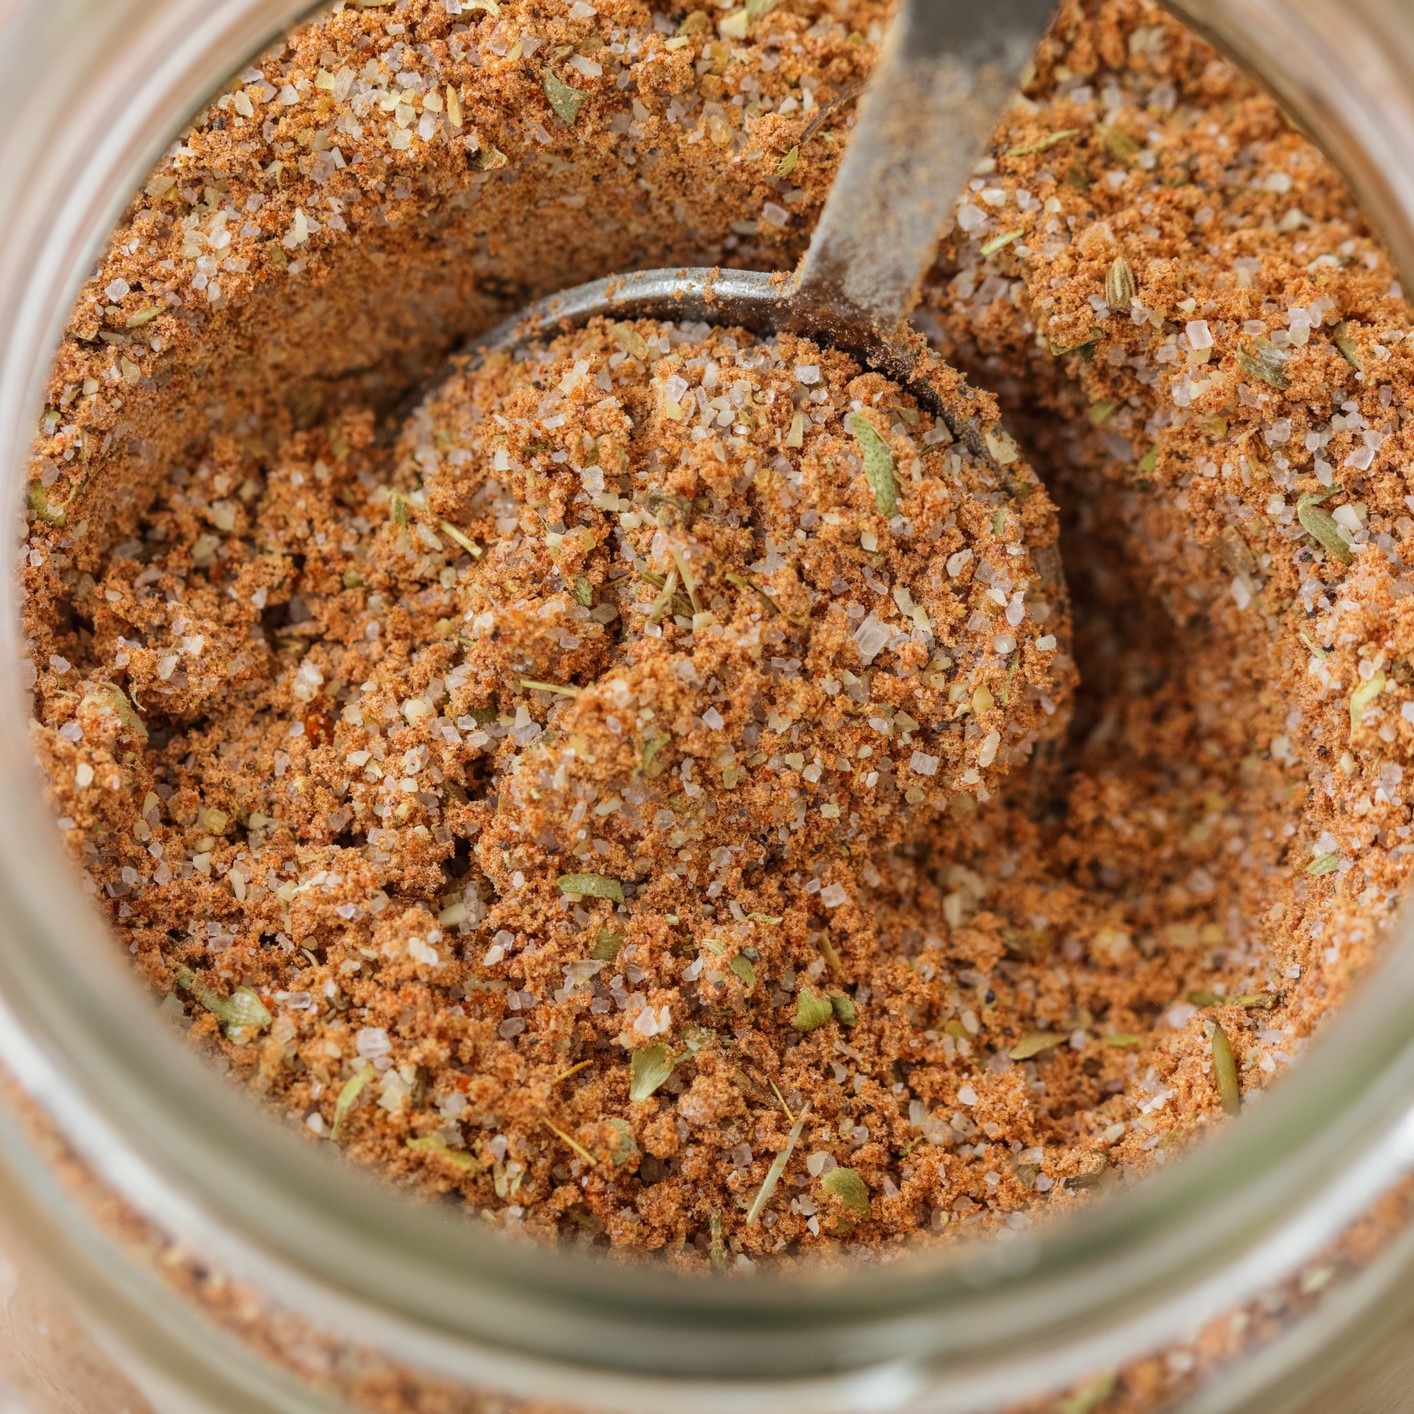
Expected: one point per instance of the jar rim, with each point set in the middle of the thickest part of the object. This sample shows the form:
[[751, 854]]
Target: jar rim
[[167, 1133]]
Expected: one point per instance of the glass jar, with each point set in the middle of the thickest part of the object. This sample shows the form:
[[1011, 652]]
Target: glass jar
[[218, 1264]]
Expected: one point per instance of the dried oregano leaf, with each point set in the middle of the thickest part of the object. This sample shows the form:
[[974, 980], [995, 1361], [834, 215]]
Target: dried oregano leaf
[[607, 945], [625, 1145], [1349, 350], [811, 1010], [742, 966], [117, 701], [1321, 526], [631, 341], [848, 1187], [591, 886], [566, 101], [846, 1013], [1263, 360], [648, 1069], [436, 1145], [653, 744], [348, 1097], [1033, 1043], [1323, 864], [1118, 143], [1225, 1071], [243, 1008], [787, 164], [1364, 695], [878, 463], [583, 592]]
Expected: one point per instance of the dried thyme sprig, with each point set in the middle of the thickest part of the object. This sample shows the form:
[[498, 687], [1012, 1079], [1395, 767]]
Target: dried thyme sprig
[[778, 1167]]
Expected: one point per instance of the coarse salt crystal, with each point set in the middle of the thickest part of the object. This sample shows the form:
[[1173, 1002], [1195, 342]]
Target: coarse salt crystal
[[870, 637], [1199, 335], [372, 1041]]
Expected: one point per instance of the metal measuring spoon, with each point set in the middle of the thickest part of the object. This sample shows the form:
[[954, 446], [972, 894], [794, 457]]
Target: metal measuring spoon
[[947, 71]]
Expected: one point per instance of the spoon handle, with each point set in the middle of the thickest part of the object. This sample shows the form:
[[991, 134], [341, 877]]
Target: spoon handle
[[947, 72]]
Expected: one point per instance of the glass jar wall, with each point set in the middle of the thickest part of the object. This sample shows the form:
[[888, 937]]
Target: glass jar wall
[[223, 1265]]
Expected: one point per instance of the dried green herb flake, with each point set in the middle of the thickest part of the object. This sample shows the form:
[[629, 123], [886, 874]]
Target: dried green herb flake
[[461, 538], [653, 744], [591, 886], [811, 1010], [434, 1144], [1364, 695], [1225, 1071], [1034, 1043], [1043, 144], [846, 1012], [607, 945], [242, 1009], [717, 1248], [649, 1067], [1118, 143], [878, 463], [625, 1145], [348, 1097], [846, 1185], [566, 101], [1001, 240], [778, 1167], [631, 341], [1321, 526], [1349, 350], [1267, 363]]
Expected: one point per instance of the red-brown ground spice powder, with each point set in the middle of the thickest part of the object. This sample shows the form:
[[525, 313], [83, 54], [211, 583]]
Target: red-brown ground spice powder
[[244, 594]]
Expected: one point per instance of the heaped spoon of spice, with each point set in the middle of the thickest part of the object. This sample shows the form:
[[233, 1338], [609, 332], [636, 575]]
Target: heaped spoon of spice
[[946, 74]]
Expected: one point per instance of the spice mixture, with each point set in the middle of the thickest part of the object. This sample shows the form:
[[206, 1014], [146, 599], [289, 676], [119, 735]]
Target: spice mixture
[[644, 790]]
